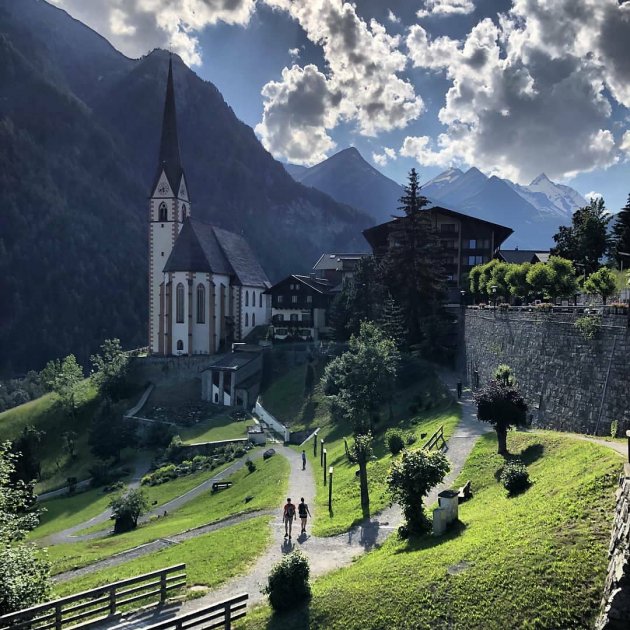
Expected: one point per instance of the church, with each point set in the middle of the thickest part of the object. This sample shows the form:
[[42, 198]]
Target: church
[[206, 287]]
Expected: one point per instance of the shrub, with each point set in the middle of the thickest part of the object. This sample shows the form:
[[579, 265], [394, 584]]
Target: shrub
[[395, 440], [515, 477], [250, 465], [127, 509], [544, 307], [159, 435], [288, 583], [103, 473], [614, 428], [588, 326]]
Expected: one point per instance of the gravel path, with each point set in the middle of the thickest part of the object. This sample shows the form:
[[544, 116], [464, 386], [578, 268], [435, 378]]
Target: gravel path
[[329, 553]]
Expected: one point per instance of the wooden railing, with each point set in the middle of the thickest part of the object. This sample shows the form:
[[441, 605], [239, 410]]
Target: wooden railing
[[435, 439], [98, 603], [219, 615]]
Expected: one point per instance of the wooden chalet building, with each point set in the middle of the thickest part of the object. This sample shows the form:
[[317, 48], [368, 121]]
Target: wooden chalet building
[[299, 307], [465, 242]]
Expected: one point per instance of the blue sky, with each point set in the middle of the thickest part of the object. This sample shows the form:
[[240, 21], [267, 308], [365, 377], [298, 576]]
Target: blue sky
[[514, 87]]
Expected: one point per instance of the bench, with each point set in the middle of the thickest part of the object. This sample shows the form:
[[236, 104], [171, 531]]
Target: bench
[[220, 485], [465, 492]]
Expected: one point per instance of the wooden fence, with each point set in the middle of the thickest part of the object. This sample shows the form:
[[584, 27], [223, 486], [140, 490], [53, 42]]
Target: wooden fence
[[220, 615], [435, 440], [85, 608]]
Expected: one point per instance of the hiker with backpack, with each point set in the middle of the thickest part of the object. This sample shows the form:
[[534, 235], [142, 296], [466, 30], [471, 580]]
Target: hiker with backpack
[[288, 516], [304, 513]]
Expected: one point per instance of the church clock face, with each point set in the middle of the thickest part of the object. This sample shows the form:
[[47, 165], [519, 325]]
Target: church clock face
[[163, 189]]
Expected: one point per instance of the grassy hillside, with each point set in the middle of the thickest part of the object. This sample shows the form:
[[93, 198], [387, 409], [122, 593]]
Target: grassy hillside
[[418, 409], [46, 415], [536, 560]]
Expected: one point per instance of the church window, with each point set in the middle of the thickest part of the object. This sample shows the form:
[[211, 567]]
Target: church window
[[179, 306], [201, 304], [183, 212], [180, 344], [253, 319], [260, 300], [246, 298], [246, 319], [163, 212]]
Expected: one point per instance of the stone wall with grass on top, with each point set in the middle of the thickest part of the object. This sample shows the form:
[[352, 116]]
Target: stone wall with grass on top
[[571, 382], [615, 609]]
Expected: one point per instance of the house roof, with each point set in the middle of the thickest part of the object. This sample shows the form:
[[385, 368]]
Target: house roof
[[169, 159], [321, 285], [335, 261], [376, 234], [203, 247], [520, 256]]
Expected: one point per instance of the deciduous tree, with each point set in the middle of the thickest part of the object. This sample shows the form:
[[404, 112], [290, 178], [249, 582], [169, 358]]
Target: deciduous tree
[[111, 366], [603, 283], [63, 378]]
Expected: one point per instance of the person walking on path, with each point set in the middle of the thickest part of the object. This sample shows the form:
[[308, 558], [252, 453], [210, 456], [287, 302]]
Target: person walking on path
[[288, 516], [459, 390], [304, 513], [303, 459]]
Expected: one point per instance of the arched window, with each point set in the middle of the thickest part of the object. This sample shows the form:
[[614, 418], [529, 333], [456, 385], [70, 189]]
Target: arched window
[[246, 298], [163, 212], [260, 300], [201, 304], [253, 319], [180, 344], [179, 305], [246, 319]]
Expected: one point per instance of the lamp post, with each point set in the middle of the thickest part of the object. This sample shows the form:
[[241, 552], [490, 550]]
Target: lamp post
[[330, 479], [321, 453], [494, 295], [324, 466], [463, 298]]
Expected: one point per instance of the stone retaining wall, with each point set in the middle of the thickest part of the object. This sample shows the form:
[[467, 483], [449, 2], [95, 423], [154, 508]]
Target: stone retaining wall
[[615, 611], [570, 383]]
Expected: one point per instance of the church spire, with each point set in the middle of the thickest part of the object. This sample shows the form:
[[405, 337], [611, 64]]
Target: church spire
[[169, 158]]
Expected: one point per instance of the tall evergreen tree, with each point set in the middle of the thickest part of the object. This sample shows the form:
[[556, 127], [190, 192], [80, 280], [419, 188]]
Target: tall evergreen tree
[[621, 236], [392, 322], [412, 268]]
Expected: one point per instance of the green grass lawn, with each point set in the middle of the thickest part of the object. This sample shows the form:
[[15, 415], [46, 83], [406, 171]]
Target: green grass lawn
[[537, 560], [210, 559], [47, 415], [220, 427], [266, 485], [69, 511], [285, 398]]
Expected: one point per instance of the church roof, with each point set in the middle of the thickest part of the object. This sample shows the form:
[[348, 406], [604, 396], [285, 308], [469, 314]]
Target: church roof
[[169, 158], [203, 247]]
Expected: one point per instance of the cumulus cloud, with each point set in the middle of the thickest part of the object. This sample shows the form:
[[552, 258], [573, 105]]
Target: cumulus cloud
[[446, 7], [363, 64], [136, 26], [625, 144], [529, 93], [392, 17], [383, 158]]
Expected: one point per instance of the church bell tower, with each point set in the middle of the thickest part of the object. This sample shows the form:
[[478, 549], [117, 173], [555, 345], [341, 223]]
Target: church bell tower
[[169, 205]]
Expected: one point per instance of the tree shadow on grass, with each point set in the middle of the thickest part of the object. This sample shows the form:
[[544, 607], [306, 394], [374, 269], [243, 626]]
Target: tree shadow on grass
[[308, 412], [296, 619], [528, 456], [428, 541]]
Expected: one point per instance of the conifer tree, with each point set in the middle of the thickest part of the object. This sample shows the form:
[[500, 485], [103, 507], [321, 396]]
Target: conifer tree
[[621, 236], [392, 322], [412, 268]]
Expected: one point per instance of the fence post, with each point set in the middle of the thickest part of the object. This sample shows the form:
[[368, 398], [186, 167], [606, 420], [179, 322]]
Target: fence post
[[325, 454], [330, 481], [163, 588], [321, 453], [228, 616], [112, 600], [58, 619], [315, 446]]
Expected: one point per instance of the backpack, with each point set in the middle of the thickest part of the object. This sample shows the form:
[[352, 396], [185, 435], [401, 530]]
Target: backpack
[[290, 510]]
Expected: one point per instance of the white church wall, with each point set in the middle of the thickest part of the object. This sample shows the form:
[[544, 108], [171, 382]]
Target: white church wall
[[218, 280], [201, 330], [180, 329], [254, 310]]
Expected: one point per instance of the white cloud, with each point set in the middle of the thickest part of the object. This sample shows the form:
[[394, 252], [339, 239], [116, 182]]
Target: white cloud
[[294, 53], [137, 26], [593, 195], [529, 93], [392, 17], [363, 64], [383, 158], [625, 144], [446, 7]]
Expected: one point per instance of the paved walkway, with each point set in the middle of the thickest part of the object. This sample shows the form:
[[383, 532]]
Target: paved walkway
[[329, 553]]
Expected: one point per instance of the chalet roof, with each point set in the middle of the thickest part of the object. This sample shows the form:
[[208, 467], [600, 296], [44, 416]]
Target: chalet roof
[[321, 285], [335, 261], [520, 256], [169, 158], [375, 234], [203, 247]]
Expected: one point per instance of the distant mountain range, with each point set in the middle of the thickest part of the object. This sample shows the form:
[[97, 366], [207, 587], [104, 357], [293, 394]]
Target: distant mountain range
[[534, 212], [79, 130]]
